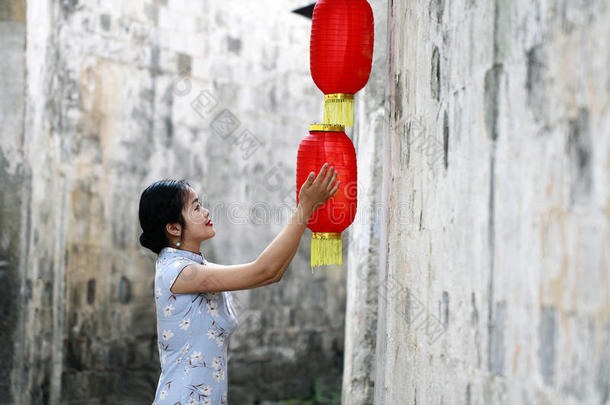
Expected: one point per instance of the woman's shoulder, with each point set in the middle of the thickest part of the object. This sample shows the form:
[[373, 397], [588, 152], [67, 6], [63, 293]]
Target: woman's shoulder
[[168, 266]]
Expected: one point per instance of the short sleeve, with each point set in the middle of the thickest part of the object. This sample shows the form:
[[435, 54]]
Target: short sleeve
[[171, 270]]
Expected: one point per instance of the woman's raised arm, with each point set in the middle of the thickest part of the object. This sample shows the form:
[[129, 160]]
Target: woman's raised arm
[[313, 193], [274, 260]]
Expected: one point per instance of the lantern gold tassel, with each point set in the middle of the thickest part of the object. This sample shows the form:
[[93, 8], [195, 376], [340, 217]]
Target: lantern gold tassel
[[326, 248], [339, 109]]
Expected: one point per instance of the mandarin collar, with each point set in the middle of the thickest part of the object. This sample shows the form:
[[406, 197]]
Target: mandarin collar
[[198, 257]]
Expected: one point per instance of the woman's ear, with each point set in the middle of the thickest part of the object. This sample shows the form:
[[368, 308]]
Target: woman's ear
[[173, 228]]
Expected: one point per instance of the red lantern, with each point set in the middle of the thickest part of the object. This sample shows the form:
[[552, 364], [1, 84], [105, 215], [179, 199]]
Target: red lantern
[[328, 143], [341, 54]]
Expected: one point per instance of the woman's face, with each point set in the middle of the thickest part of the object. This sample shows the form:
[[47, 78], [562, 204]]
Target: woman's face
[[197, 219]]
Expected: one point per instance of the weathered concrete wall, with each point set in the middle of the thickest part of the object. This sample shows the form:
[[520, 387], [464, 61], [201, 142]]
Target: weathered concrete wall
[[497, 277], [365, 232], [117, 95], [14, 183]]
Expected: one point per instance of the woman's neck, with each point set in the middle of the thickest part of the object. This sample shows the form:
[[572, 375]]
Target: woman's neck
[[193, 248]]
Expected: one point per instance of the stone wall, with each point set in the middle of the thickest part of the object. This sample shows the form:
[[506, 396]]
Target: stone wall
[[103, 99], [14, 183], [365, 232], [496, 282]]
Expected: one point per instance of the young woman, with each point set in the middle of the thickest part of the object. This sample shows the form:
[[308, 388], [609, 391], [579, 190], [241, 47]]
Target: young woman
[[195, 315]]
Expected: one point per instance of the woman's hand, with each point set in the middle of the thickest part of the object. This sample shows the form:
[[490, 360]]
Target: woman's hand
[[277, 256], [314, 193]]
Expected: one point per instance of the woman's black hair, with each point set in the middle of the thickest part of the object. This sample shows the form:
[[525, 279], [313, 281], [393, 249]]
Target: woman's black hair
[[161, 203]]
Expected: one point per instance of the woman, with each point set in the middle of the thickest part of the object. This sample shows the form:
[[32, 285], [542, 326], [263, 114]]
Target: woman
[[195, 315]]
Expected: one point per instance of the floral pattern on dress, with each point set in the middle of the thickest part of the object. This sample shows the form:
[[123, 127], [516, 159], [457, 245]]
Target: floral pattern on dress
[[193, 333]]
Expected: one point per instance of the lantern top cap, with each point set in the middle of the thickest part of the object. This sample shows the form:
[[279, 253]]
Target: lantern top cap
[[326, 128]]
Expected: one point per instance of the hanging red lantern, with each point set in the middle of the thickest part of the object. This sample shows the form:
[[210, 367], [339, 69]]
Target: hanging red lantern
[[341, 54], [328, 143]]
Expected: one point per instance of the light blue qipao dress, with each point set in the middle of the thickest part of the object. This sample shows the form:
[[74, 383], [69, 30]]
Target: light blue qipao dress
[[193, 335]]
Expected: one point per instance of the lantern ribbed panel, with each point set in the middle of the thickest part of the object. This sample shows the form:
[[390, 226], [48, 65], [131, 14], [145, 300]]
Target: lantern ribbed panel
[[336, 214], [341, 46]]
